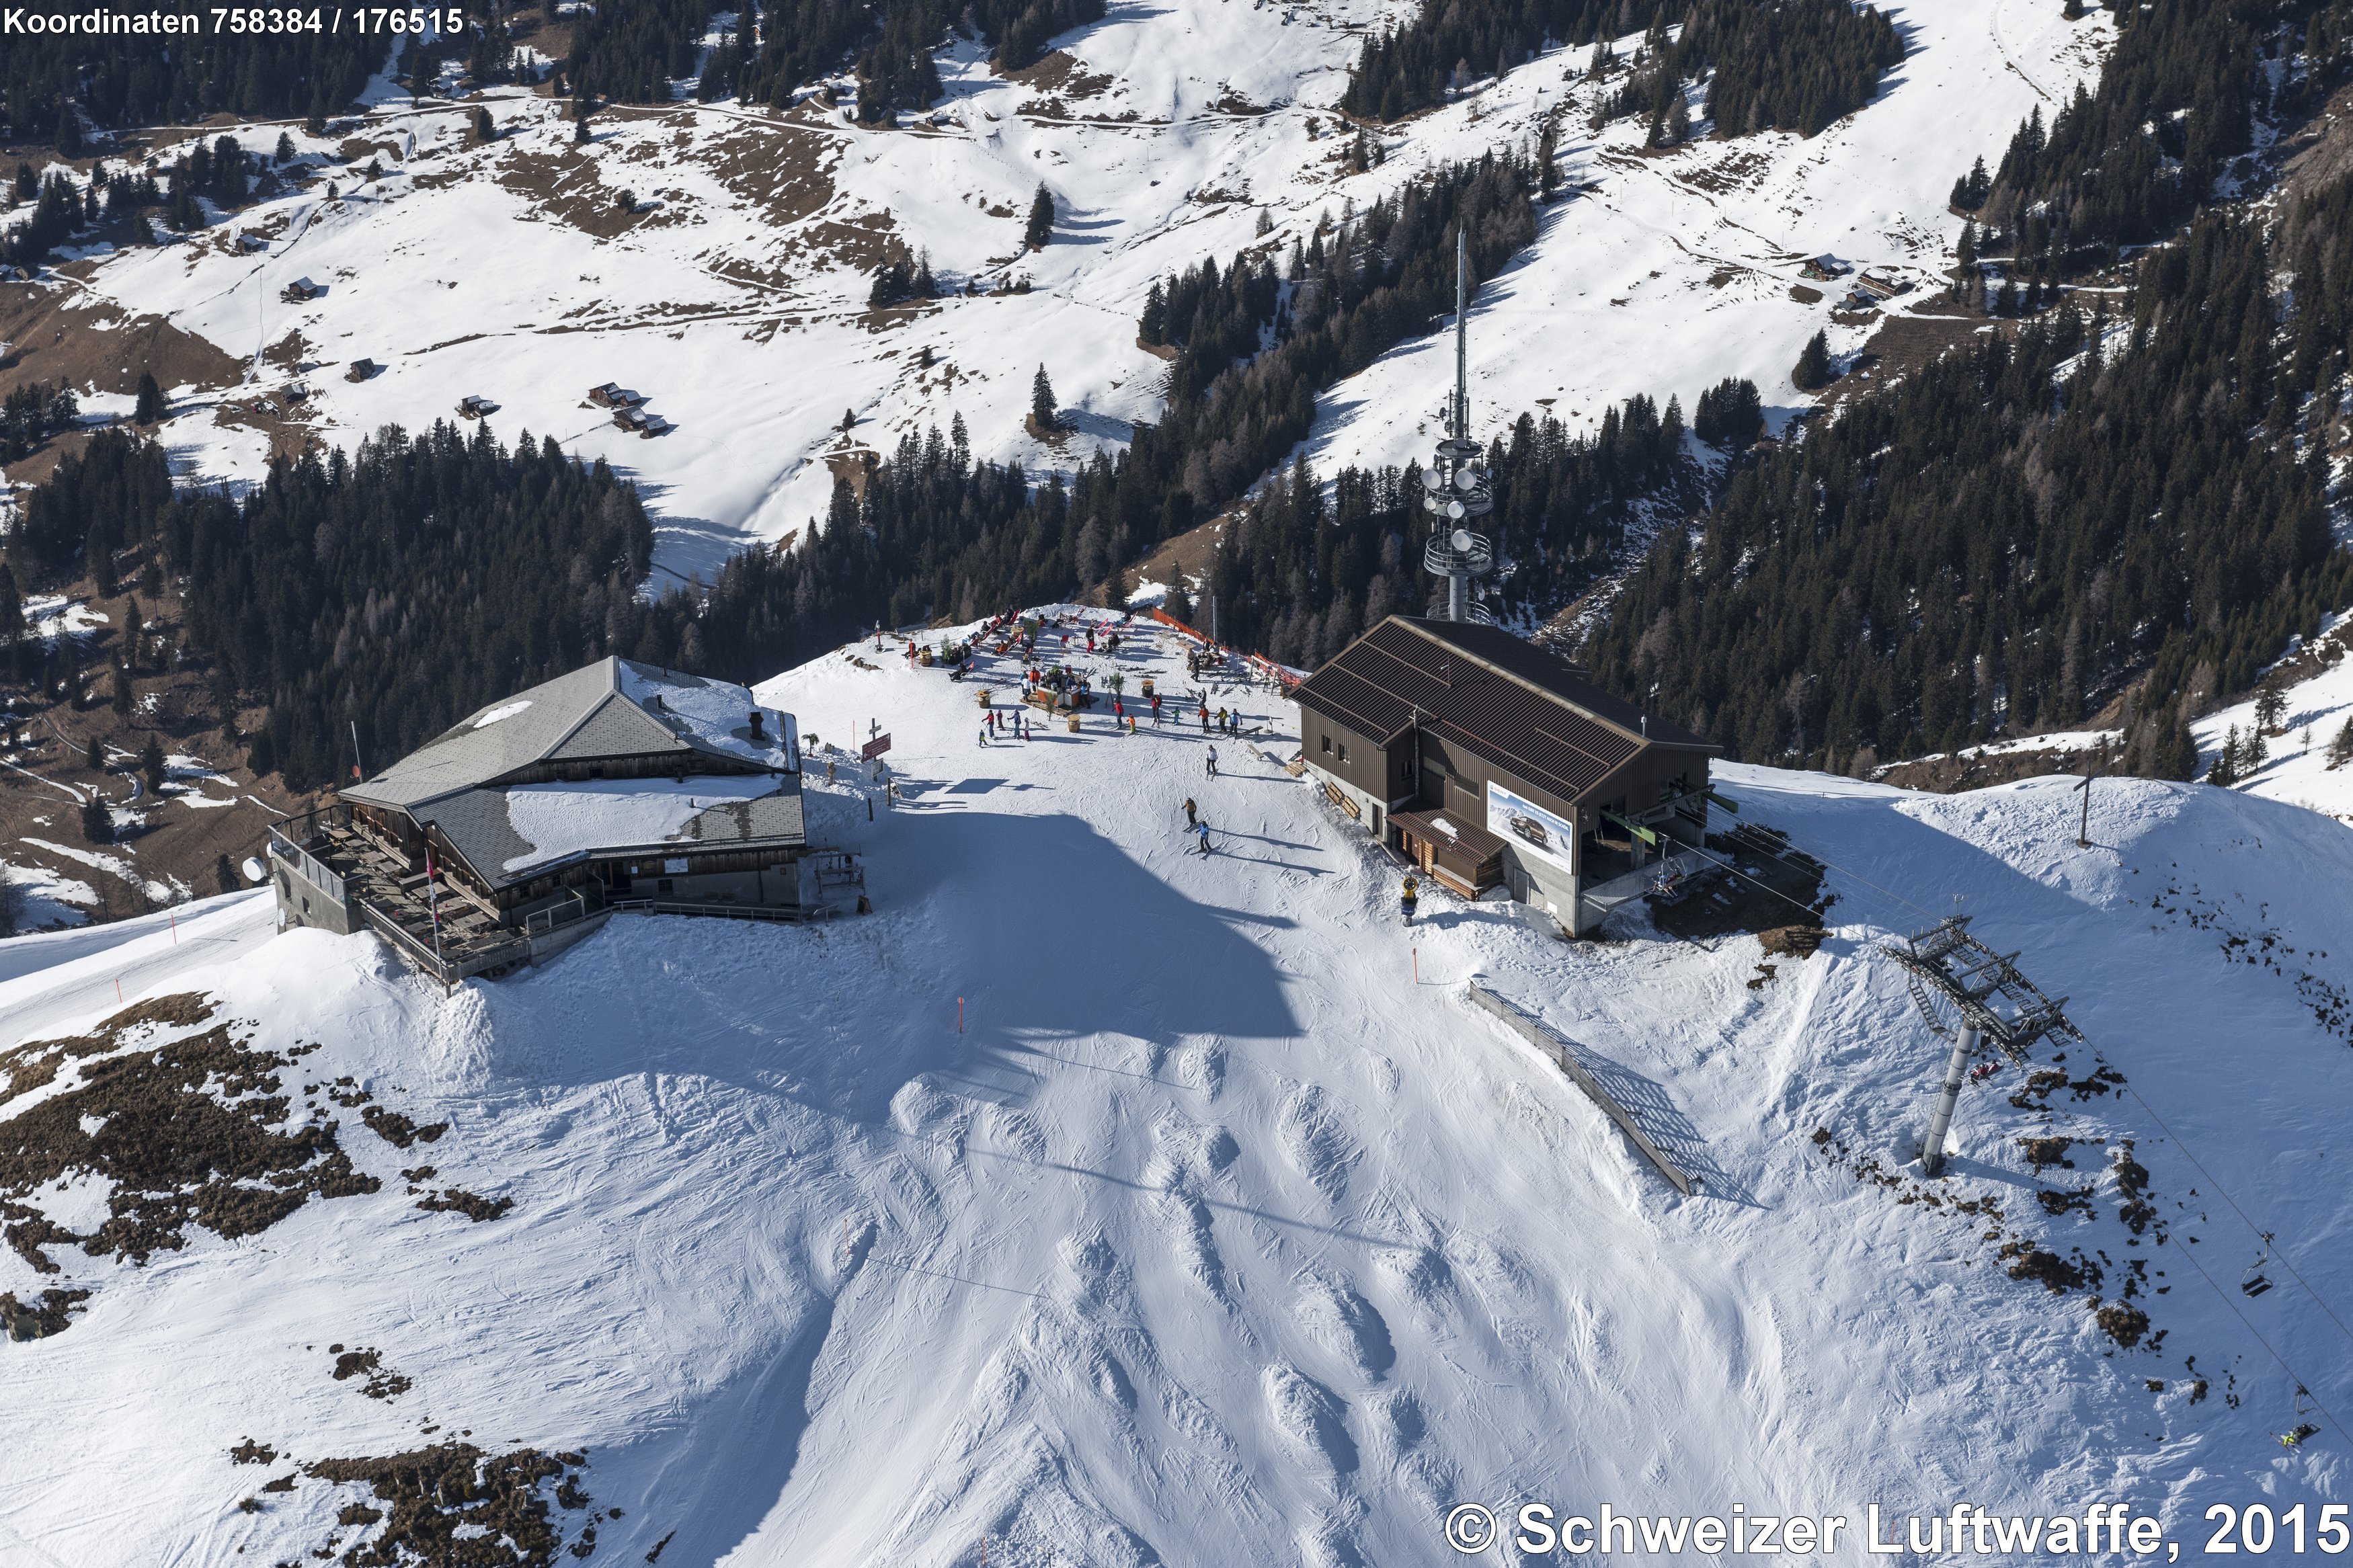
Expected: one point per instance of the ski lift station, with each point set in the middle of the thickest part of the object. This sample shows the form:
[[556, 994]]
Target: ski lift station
[[618, 787], [1490, 762]]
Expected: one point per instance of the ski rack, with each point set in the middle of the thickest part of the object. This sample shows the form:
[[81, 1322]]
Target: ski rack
[[1985, 986]]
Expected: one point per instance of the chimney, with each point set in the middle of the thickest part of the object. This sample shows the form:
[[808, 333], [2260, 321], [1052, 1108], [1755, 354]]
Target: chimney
[[756, 726]]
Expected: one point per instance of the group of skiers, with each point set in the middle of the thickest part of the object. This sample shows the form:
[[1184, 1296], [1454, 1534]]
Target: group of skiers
[[1014, 725]]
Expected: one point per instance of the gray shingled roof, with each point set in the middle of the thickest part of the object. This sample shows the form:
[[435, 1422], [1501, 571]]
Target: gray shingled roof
[[597, 711]]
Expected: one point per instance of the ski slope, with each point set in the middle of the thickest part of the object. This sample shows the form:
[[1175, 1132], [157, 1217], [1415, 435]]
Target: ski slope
[[1095, 1201], [733, 293]]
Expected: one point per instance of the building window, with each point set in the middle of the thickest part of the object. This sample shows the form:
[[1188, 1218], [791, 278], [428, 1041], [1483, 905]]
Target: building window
[[1344, 750], [1327, 743], [662, 886]]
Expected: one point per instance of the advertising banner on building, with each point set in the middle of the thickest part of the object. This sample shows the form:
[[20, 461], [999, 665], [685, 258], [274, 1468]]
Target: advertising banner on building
[[1530, 828]]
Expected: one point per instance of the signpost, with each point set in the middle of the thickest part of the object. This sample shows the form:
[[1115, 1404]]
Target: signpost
[[874, 748]]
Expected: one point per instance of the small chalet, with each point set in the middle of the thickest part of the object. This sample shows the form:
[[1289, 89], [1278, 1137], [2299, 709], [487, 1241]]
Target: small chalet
[[612, 396], [302, 289], [475, 408], [1824, 266], [631, 418], [361, 368], [1490, 762], [616, 786]]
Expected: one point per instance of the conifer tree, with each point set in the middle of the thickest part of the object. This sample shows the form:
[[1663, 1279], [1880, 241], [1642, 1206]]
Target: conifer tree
[[1043, 408], [1812, 371], [151, 762], [2271, 704], [97, 820], [1040, 226], [2340, 749], [2225, 770], [148, 408]]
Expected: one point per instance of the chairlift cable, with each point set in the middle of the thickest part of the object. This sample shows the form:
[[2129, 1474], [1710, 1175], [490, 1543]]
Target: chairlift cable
[[2304, 1389], [2272, 1248]]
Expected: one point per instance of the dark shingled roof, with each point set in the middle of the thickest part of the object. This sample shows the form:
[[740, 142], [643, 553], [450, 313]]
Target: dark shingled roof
[[1521, 707]]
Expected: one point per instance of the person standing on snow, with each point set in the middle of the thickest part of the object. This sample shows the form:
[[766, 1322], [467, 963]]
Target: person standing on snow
[[1202, 829], [1213, 762], [984, 734], [1191, 820]]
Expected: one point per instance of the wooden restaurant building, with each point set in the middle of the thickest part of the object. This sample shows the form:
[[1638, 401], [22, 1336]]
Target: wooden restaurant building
[[616, 786], [1490, 762]]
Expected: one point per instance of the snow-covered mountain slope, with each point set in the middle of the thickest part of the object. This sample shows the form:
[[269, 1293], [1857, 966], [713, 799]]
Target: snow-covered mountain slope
[[1096, 1201], [2319, 709], [735, 295]]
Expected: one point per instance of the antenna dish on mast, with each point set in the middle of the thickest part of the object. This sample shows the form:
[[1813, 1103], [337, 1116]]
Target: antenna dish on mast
[[1455, 482]]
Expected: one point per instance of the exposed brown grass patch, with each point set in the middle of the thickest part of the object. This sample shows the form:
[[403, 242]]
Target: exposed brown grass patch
[[456, 1505], [473, 1205], [397, 1129], [48, 1313], [186, 1133], [382, 1382]]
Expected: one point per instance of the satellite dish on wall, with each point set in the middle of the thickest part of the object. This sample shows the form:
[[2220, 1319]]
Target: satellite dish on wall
[[253, 872], [1462, 540]]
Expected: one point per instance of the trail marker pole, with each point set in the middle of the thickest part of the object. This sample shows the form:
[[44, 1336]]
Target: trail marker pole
[[1416, 967], [118, 988], [174, 918], [2084, 830], [959, 1015]]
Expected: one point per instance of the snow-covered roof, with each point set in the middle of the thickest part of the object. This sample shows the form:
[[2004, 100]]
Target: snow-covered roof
[[614, 708], [510, 835]]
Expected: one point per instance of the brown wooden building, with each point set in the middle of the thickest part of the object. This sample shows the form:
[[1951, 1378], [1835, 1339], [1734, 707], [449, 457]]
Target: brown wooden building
[[1492, 761]]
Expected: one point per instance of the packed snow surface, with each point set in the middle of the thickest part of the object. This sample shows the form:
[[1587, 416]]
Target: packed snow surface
[[1096, 1202]]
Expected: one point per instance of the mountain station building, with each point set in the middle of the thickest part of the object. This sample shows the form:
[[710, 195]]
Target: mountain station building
[[1490, 762], [618, 787]]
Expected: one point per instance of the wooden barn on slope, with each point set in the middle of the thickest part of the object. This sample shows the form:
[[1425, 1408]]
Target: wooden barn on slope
[[618, 787], [1490, 762]]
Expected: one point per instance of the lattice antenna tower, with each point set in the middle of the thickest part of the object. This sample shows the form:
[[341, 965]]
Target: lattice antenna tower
[[1455, 488]]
